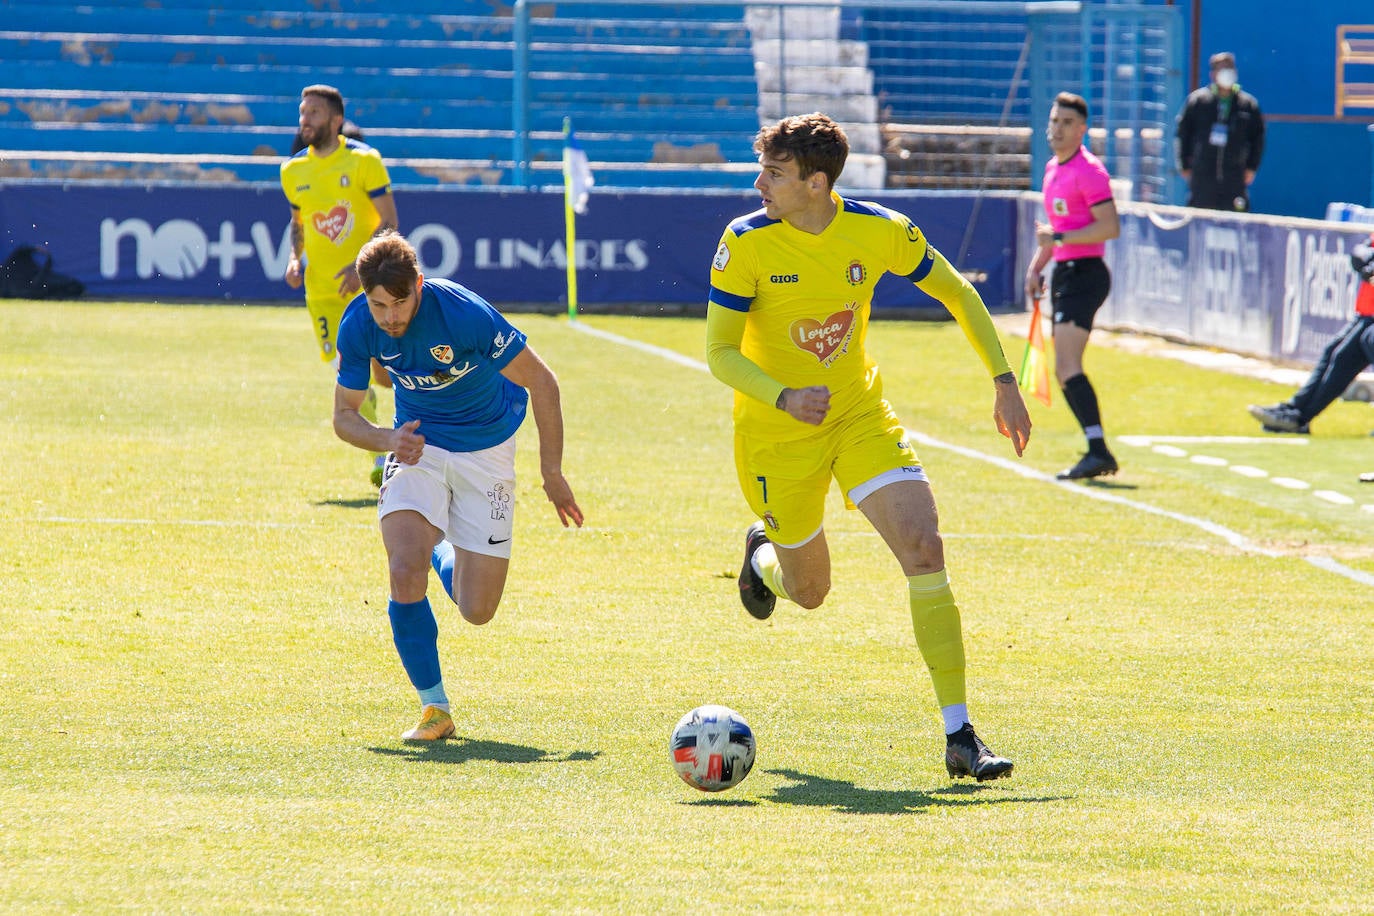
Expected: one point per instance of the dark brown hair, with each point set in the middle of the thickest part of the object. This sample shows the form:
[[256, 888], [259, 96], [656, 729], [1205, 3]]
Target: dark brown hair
[[388, 261], [1076, 102], [815, 142]]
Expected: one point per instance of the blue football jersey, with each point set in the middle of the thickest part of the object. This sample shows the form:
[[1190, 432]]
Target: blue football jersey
[[445, 369]]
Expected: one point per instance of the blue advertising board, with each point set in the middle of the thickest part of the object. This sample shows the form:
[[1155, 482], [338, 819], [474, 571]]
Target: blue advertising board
[[1245, 283], [222, 242]]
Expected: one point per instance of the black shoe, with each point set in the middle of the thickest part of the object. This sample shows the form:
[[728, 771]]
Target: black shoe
[[1089, 465], [755, 596], [1281, 418], [967, 755], [1303, 430]]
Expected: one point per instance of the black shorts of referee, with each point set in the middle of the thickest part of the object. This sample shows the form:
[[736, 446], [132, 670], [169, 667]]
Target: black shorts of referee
[[1077, 290]]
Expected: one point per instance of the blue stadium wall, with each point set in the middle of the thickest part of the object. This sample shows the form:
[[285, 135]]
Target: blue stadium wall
[[1286, 55]]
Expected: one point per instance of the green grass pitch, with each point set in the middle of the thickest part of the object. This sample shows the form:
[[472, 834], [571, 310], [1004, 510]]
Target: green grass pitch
[[200, 704]]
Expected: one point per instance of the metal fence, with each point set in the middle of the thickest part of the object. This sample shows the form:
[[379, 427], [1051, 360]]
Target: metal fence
[[1127, 61], [934, 93], [662, 93]]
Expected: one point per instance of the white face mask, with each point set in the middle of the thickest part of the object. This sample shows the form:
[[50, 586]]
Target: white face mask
[[1226, 78]]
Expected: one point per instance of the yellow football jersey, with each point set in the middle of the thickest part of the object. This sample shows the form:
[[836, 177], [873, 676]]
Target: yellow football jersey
[[808, 298], [334, 196]]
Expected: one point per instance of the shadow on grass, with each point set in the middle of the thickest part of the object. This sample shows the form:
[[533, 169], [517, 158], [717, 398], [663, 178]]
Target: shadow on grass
[[1104, 484], [713, 802], [820, 792], [463, 750], [367, 502]]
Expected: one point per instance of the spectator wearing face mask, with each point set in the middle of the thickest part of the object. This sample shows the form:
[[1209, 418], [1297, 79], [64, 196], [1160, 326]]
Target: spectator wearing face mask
[[1220, 135]]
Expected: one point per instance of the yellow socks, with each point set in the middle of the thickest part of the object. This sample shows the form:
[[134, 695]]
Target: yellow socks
[[935, 618], [769, 569]]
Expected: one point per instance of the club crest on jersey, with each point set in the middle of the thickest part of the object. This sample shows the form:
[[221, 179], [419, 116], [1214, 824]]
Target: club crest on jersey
[[855, 273], [1060, 206], [443, 353], [722, 257]]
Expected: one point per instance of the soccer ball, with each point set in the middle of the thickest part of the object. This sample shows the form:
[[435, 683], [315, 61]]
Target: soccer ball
[[712, 748]]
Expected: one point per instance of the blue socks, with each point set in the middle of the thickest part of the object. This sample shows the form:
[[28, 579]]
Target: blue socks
[[442, 559], [416, 635]]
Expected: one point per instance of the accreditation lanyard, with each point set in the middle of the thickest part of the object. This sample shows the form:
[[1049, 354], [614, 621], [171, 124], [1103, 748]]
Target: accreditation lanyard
[[1221, 129]]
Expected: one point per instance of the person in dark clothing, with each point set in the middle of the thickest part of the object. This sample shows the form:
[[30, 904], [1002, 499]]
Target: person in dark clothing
[[1348, 354], [1220, 135]]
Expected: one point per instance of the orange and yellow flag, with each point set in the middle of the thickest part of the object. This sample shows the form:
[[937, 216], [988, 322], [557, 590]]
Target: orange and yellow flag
[[1035, 366]]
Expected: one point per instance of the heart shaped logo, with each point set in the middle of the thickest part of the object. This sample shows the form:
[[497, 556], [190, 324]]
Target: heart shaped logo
[[823, 338], [334, 224]]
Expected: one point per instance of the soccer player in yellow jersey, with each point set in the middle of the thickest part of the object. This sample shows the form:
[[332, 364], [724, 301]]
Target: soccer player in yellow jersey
[[340, 196], [791, 291]]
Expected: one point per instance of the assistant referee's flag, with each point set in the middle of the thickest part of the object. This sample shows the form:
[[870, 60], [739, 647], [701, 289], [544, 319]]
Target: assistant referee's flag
[[577, 183], [1035, 366]]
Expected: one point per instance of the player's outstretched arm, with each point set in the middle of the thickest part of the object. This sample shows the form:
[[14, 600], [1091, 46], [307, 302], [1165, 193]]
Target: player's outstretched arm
[[531, 373], [958, 295]]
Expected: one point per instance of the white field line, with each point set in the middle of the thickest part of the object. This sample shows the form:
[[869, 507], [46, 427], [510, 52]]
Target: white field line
[[1288, 483], [1214, 440], [186, 522], [1234, 538]]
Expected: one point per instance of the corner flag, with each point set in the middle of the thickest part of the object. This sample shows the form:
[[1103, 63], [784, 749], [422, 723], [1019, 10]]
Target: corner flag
[[577, 183], [577, 172], [1035, 366]]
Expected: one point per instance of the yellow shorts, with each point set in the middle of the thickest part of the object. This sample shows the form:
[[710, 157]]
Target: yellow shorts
[[786, 482], [325, 314]]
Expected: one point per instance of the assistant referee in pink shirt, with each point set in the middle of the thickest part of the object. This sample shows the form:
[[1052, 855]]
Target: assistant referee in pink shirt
[[1082, 217]]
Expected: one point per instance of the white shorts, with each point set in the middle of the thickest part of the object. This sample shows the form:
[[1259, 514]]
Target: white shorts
[[469, 496]]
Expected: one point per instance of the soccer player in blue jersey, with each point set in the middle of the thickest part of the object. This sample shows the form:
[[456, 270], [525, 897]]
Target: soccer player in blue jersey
[[463, 377], [791, 291]]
